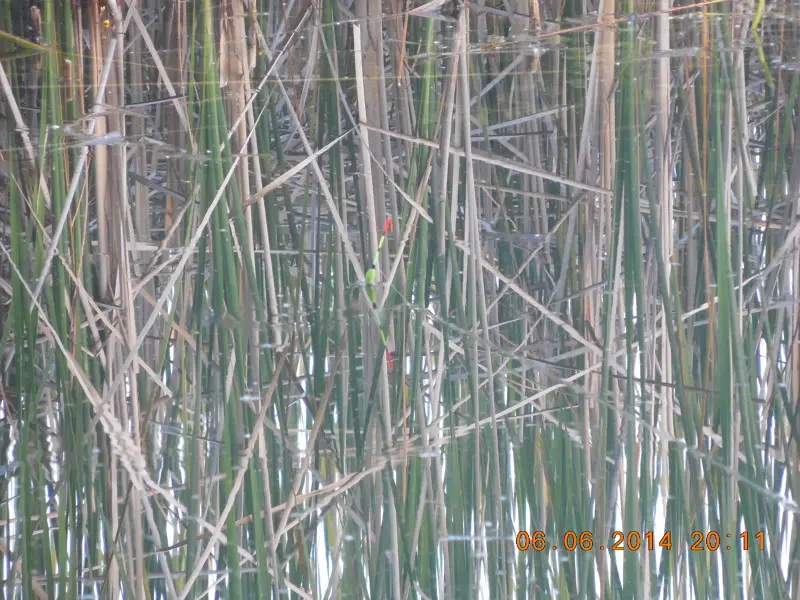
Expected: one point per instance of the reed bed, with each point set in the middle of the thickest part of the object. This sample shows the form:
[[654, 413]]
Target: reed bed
[[391, 300]]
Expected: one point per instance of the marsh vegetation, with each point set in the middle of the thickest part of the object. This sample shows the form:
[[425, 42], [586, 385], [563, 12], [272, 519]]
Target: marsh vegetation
[[334, 299]]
